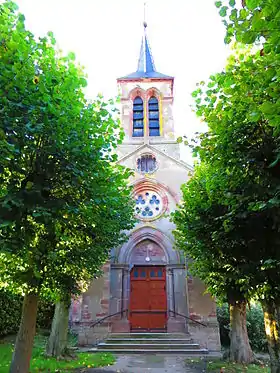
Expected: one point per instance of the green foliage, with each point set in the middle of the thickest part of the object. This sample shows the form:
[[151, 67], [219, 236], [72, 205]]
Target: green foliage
[[224, 324], [45, 314], [229, 221], [257, 21], [202, 232], [230, 218], [10, 313], [41, 363], [255, 326], [64, 202]]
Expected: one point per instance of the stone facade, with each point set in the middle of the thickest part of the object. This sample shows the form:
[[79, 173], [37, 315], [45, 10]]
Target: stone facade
[[157, 193]]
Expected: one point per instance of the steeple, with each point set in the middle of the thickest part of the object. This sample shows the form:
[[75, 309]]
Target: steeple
[[145, 62], [146, 66]]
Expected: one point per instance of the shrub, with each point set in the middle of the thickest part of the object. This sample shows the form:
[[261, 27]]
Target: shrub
[[10, 313], [255, 326], [223, 319], [45, 314]]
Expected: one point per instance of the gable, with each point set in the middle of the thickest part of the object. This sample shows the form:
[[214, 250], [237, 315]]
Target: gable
[[170, 172], [129, 159]]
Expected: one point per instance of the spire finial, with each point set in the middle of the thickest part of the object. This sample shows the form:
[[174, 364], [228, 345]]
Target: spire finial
[[144, 21], [146, 67]]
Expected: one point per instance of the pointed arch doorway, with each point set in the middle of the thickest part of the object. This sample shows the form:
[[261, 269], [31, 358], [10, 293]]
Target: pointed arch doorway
[[162, 290], [148, 300]]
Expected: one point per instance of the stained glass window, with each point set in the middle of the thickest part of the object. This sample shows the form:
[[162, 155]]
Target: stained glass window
[[146, 163], [138, 117], [148, 205], [154, 129]]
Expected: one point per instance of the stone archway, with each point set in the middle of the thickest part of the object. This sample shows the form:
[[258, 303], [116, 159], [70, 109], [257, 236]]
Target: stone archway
[[123, 255], [147, 252], [147, 242]]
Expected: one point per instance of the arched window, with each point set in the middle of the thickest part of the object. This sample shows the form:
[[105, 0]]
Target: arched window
[[147, 163], [153, 117], [138, 117]]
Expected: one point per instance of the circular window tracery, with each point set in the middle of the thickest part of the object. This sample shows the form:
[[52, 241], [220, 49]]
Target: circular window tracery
[[147, 163], [148, 205], [151, 201]]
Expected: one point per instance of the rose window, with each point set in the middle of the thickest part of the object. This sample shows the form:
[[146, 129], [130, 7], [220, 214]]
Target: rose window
[[148, 205]]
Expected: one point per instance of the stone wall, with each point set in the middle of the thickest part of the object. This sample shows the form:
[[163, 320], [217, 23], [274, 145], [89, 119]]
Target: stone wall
[[171, 148], [207, 336], [170, 173], [163, 90], [202, 308], [94, 305]]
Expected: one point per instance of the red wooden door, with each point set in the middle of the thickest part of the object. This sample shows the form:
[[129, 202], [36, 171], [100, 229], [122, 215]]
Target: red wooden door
[[148, 304]]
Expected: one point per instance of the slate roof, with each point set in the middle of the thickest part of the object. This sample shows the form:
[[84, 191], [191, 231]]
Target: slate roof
[[146, 66]]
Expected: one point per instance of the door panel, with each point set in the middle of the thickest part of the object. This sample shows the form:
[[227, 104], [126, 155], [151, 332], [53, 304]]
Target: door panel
[[148, 304], [139, 321], [157, 321], [139, 301]]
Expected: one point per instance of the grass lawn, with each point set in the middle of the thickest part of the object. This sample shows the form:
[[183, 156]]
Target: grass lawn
[[217, 365], [226, 367], [40, 363]]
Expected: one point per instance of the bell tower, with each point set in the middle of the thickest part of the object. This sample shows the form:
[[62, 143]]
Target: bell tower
[[145, 286], [146, 105]]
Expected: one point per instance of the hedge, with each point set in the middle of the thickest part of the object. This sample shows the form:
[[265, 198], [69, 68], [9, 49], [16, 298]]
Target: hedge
[[10, 313], [255, 326]]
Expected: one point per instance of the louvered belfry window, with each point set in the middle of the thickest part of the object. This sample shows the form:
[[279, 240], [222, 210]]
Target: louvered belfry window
[[154, 129], [138, 117]]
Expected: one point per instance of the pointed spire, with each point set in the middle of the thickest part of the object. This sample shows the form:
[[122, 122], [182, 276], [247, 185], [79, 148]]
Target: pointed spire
[[146, 66], [145, 62]]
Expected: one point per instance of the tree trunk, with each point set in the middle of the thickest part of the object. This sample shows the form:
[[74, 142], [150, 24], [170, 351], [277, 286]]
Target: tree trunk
[[240, 349], [57, 343], [25, 338], [271, 324]]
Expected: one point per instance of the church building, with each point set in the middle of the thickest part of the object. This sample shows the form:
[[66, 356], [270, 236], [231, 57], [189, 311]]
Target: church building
[[145, 287]]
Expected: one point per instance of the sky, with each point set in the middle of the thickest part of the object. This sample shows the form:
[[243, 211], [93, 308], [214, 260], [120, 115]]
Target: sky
[[186, 39]]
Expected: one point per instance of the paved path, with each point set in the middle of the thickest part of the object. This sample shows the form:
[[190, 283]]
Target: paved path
[[151, 364]]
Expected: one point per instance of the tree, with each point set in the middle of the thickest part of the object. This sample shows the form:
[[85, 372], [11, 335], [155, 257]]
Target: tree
[[242, 145], [59, 182], [200, 232], [255, 23], [241, 107], [108, 233]]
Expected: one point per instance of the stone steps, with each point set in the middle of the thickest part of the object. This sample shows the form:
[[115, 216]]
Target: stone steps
[[149, 346], [184, 351], [150, 340], [149, 335], [150, 343]]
